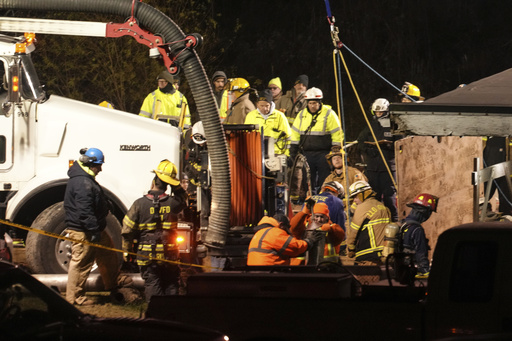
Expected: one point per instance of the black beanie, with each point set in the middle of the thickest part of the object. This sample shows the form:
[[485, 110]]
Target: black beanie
[[265, 95], [304, 79]]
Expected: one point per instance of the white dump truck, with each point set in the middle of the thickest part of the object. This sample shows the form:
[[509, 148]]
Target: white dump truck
[[41, 135]]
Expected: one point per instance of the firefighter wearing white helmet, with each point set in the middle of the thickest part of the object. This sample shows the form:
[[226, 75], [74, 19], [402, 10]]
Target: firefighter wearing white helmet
[[365, 236], [197, 168], [198, 135], [315, 130], [238, 93], [152, 221], [376, 170], [380, 108]]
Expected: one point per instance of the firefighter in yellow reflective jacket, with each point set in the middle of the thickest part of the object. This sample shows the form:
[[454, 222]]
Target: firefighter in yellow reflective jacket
[[315, 130], [273, 121], [365, 240], [166, 103], [152, 221]]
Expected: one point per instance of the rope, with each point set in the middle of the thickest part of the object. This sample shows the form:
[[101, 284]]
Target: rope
[[368, 122], [378, 74], [338, 45], [57, 236], [339, 99]]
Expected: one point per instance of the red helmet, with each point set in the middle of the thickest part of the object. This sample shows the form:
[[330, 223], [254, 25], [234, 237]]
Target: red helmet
[[425, 200]]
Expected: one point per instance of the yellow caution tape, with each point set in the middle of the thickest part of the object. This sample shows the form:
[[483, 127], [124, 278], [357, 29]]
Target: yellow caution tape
[[57, 236]]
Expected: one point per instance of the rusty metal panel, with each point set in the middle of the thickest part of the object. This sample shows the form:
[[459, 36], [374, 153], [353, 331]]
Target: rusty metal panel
[[441, 166]]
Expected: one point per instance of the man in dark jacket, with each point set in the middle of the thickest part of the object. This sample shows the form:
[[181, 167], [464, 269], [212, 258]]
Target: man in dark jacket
[[152, 221], [86, 209], [376, 170]]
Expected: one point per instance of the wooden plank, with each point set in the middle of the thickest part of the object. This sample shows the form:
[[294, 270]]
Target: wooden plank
[[440, 166]]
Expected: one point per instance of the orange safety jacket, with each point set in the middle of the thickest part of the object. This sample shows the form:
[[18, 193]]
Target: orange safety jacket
[[272, 245], [335, 233]]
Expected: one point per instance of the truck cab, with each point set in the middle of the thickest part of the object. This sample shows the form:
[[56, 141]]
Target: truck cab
[[40, 137]]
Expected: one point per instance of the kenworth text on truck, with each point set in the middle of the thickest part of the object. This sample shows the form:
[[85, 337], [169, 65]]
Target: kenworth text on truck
[[41, 134], [52, 132]]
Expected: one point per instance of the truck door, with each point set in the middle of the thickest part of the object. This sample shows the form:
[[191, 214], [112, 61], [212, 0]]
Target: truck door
[[6, 124], [468, 300]]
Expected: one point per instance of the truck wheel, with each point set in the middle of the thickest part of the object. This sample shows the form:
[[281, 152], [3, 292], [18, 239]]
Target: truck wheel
[[47, 255]]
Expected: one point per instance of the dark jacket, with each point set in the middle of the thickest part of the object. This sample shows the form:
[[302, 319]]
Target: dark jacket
[[153, 221], [85, 203], [371, 153], [415, 241]]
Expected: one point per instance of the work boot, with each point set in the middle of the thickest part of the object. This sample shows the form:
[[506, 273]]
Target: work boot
[[83, 301], [116, 296]]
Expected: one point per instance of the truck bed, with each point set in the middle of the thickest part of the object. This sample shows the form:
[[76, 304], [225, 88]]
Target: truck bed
[[308, 306]]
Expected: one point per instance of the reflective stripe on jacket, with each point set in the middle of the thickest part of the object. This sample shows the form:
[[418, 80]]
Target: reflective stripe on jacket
[[159, 103], [324, 134], [273, 246], [274, 126], [154, 226], [224, 105], [335, 234], [366, 230]]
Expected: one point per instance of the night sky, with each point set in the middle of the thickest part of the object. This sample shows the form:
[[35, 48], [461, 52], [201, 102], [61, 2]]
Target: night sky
[[434, 45]]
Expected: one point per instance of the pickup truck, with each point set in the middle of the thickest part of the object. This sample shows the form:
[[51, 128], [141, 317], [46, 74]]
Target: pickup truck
[[466, 297]]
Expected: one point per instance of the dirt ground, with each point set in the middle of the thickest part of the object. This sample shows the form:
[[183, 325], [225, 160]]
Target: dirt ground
[[104, 308]]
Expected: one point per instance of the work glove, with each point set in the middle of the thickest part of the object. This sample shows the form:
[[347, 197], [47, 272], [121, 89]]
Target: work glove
[[95, 237], [308, 206], [179, 192], [351, 253], [315, 237]]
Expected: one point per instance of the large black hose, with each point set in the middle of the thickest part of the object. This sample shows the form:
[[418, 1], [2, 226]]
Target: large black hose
[[155, 21]]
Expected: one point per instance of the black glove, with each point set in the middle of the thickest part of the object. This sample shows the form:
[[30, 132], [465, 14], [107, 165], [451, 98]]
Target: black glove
[[310, 203], [180, 193], [314, 238], [95, 237]]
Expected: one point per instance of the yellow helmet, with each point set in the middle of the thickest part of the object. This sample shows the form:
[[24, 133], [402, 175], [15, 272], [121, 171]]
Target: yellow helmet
[[411, 90], [237, 84], [106, 104], [167, 172]]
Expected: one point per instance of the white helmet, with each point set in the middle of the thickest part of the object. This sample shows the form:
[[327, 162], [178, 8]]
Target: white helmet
[[358, 187], [380, 104], [314, 94], [334, 186], [198, 133]]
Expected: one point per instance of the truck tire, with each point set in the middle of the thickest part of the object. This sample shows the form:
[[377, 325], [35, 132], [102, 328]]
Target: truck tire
[[47, 255]]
